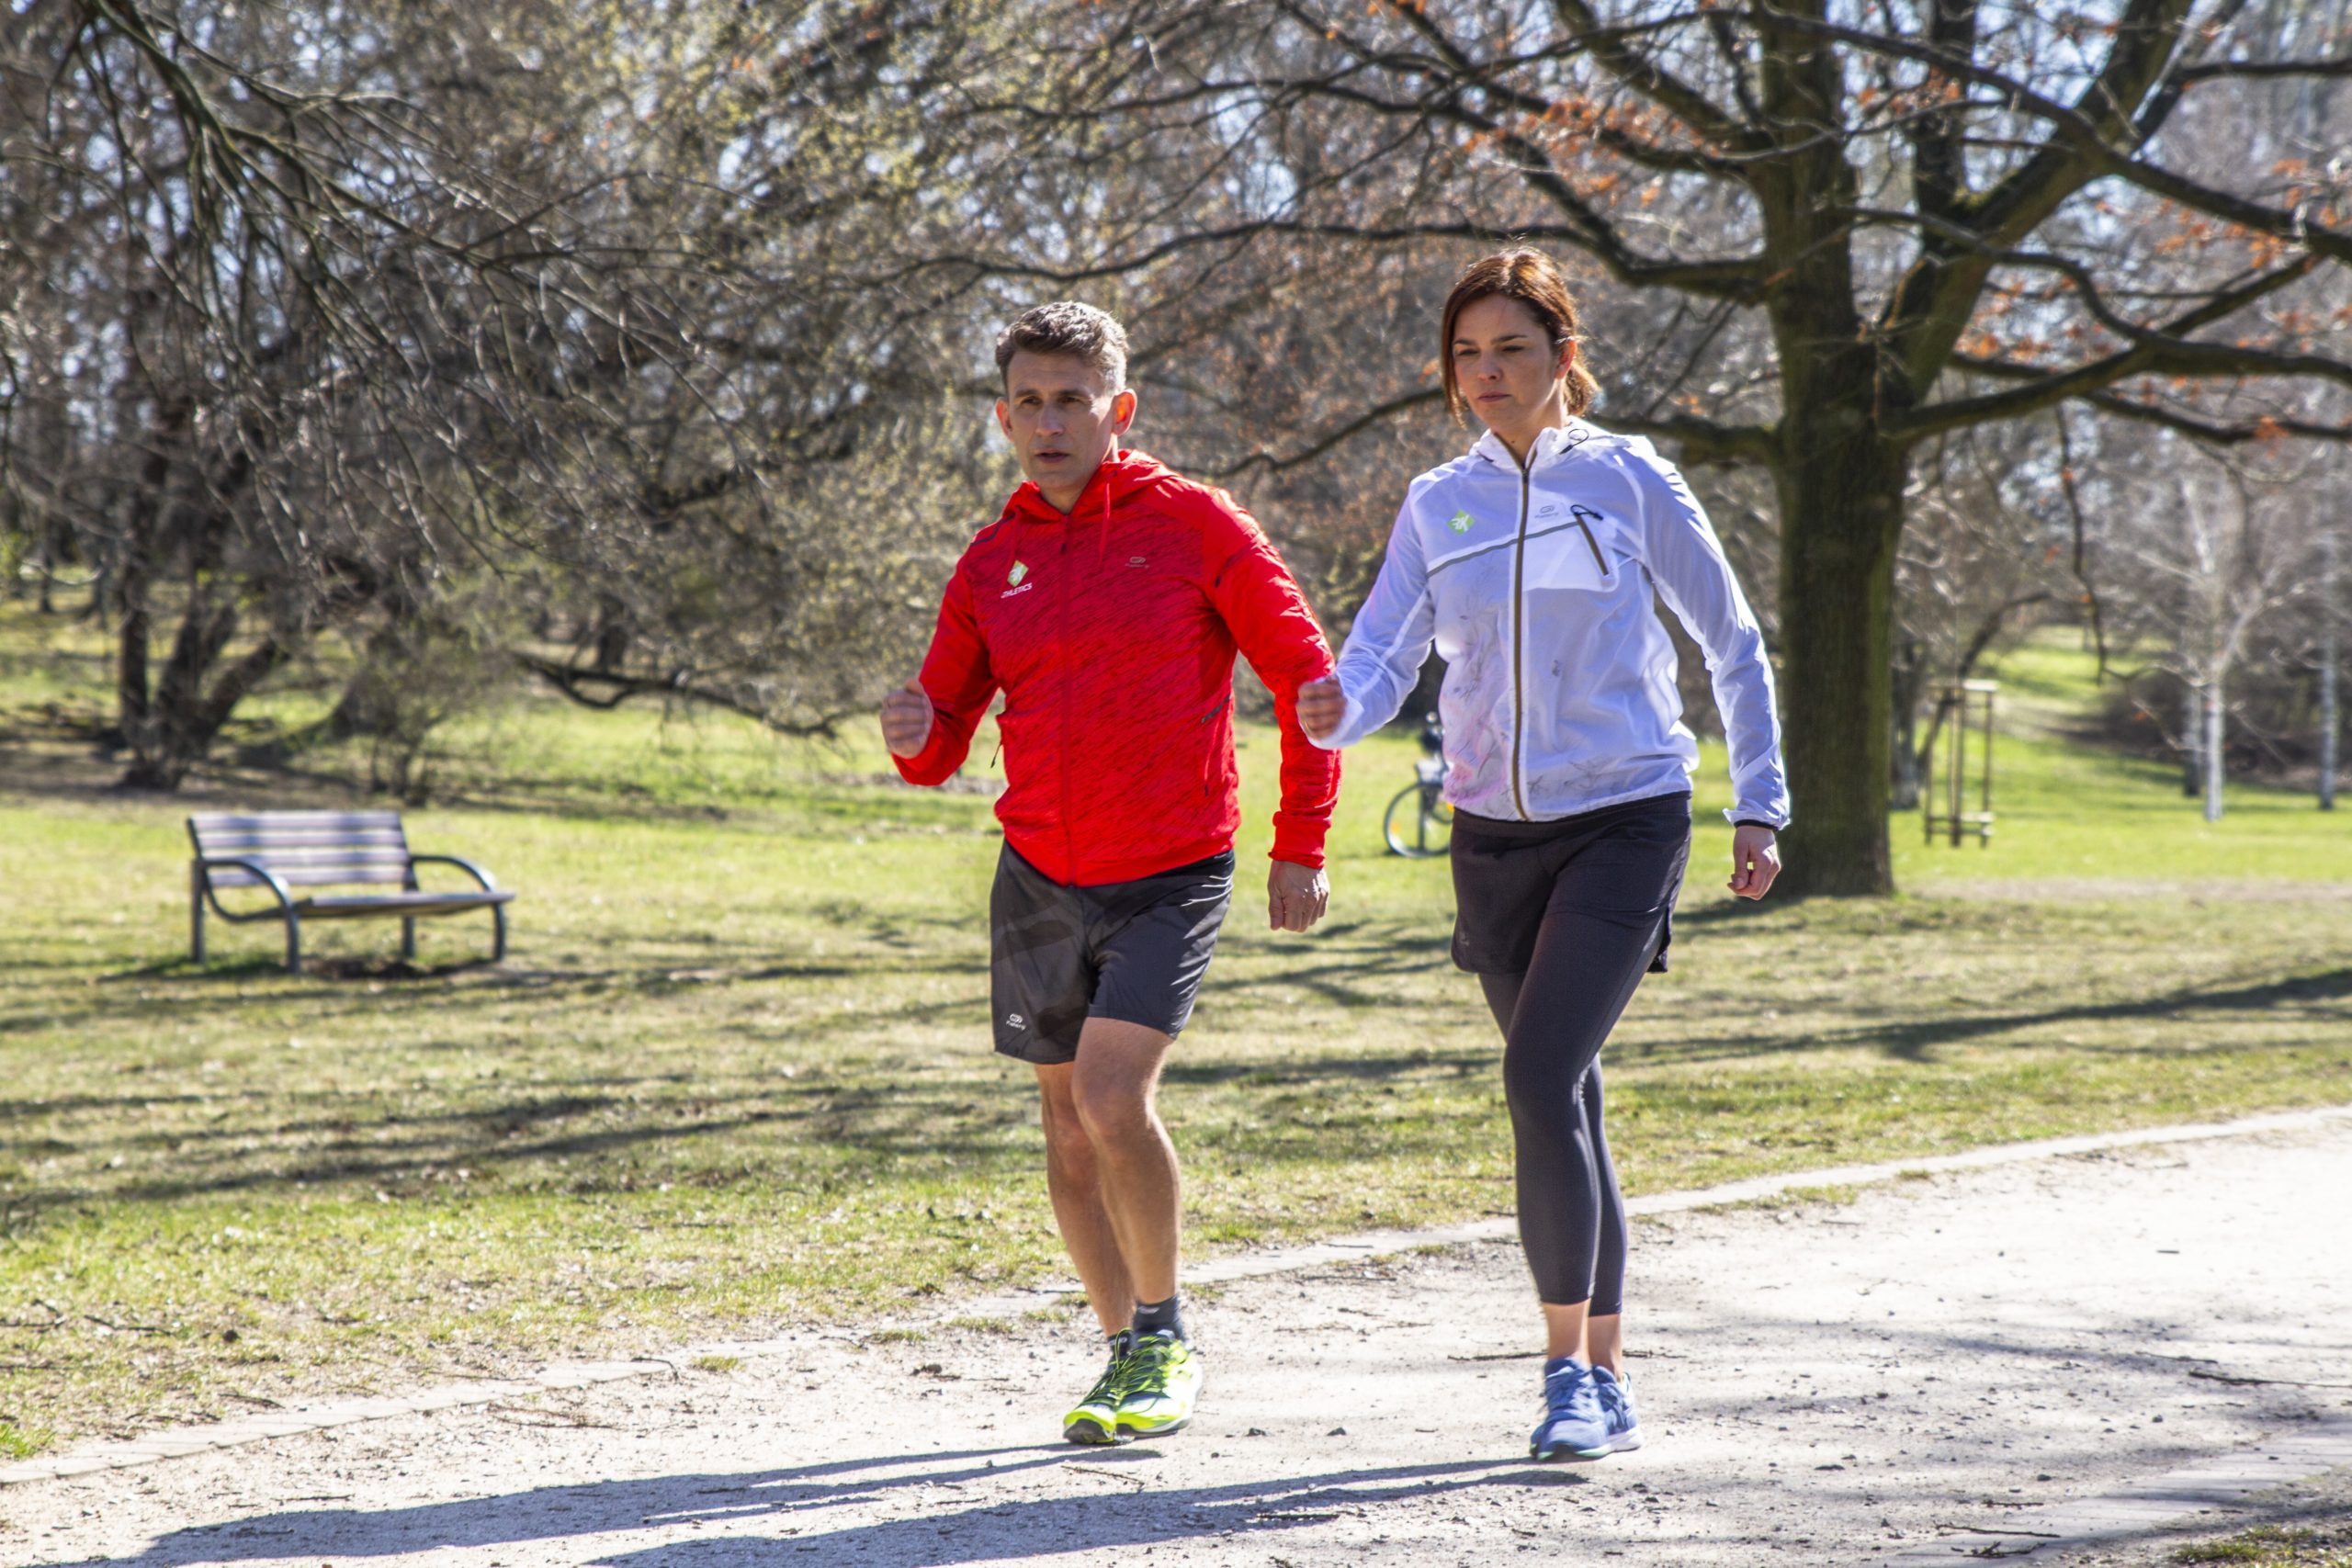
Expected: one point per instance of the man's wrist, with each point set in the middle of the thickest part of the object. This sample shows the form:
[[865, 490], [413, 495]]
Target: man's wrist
[[1759, 822]]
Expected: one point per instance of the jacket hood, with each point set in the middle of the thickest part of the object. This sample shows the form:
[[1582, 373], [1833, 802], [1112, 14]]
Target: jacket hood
[[1123, 473]]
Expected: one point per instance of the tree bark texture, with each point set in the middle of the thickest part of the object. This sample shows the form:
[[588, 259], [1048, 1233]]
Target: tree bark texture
[[1839, 522]]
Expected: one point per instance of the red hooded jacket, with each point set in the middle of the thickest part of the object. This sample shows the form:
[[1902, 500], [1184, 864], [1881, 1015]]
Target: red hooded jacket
[[1112, 631]]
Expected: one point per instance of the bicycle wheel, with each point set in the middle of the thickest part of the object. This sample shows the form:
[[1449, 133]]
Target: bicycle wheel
[[1413, 826], [1437, 820]]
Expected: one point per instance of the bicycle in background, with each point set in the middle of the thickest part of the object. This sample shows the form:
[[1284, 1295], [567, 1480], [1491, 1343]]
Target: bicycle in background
[[1419, 823]]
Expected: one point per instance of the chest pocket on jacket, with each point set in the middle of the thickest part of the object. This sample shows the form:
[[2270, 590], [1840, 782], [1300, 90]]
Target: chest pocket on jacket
[[1573, 549]]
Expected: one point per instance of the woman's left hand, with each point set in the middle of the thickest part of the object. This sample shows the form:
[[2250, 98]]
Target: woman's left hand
[[1755, 860]]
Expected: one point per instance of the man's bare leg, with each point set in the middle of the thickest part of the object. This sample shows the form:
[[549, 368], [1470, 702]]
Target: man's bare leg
[[1114, 1086], [1073, 1177], [1111, 1171]]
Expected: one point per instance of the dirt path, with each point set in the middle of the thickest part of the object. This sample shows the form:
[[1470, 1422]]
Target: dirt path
[[1885, 1379]]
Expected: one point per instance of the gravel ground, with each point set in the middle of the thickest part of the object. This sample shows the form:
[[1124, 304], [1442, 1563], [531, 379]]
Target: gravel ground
[[1824, 1383]]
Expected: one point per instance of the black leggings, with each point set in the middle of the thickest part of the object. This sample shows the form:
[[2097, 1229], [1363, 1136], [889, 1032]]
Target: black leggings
[[1596, 891]]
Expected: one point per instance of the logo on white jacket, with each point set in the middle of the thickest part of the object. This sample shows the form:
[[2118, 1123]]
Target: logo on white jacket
[[1460, 522]]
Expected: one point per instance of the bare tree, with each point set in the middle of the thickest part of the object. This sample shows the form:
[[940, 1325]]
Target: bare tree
[[1937, 216], [315, 317], [1988, 550], [2234, 554]]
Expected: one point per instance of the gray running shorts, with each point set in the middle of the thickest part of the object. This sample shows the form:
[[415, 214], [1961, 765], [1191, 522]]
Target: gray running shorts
[[1132, 951]]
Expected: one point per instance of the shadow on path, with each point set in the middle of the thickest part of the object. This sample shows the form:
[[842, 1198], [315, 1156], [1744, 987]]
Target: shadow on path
[[1125, 1512]]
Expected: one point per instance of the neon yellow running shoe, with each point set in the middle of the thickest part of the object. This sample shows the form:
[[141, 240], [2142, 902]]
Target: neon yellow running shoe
[[1164, 1378], [1096, 1418]]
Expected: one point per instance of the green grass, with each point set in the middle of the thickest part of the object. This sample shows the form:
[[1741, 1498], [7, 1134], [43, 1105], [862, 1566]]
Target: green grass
[[2268, 1546], [735, 1074]]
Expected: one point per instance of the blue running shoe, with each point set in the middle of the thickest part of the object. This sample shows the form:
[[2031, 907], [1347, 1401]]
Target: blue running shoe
[[1617, 1410], [1574, 1426]]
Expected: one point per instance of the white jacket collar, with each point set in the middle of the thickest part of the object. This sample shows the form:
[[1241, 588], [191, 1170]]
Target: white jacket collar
[[1550, 446]]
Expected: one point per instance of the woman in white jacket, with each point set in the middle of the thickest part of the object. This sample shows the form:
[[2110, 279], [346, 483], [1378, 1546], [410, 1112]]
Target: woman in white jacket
[[1531, 562]]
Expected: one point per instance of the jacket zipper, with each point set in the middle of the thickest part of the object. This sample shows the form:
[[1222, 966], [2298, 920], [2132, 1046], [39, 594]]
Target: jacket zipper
[[1591, 544], [1208, 752], [1518, 638]]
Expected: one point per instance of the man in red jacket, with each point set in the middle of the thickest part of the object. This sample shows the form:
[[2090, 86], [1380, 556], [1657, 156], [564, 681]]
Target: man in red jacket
[[1107, 604]]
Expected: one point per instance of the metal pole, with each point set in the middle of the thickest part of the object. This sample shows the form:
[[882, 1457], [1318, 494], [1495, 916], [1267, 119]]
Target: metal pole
[[2192, 744], [1959, 763], [2327, 720], [1985, 829], [2213, 756]]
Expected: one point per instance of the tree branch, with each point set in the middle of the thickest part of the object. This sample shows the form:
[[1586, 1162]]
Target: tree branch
[[1268, 462], [2265, 428], [2292, 224], [617, 688], [1644, 75], [1740, 279], [2154, 351], [2257, 70]]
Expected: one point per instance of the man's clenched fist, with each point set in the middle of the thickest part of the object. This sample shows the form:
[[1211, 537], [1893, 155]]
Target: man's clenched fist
[[1322, 706], [906, 720]]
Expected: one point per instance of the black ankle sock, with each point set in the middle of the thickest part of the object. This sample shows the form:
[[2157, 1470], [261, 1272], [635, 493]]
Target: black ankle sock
[[1162, 1317]]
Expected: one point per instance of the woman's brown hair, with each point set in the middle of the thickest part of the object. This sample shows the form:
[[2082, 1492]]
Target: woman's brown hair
[[1529, 276]]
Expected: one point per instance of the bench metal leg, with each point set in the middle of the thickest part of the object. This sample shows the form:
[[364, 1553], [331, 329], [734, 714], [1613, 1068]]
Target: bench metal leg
[[408, 939], [498, 944], [196, 913], [293, 943]]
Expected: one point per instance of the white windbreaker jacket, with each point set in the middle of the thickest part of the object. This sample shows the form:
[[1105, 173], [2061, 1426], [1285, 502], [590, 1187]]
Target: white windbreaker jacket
[[1535, 585]]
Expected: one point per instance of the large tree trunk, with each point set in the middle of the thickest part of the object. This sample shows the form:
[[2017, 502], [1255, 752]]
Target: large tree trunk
[[1840, 484], [197, 694], [135, 616], [1842, 509]]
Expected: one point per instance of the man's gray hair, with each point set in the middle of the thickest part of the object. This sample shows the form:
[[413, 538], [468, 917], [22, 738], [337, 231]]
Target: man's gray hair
[[1065, 326]]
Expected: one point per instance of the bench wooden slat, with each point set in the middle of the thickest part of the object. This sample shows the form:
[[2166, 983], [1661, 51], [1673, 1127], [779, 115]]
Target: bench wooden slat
[[315, 875], [203, 819], [299, 830], [311, 854], [298, 848], [296, 829], [274, 843]]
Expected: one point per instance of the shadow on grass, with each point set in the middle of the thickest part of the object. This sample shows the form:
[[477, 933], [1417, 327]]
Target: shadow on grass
[[987, 1530], [899, 1123], [327, 992], [1912, 1041]]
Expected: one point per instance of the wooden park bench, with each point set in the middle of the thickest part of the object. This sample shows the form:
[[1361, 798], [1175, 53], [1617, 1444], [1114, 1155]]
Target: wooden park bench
[[285, 850]]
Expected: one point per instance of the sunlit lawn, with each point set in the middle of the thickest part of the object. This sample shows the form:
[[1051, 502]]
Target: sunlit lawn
[[735, 1073]]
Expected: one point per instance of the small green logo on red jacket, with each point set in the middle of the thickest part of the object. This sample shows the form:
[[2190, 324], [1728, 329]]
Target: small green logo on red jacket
[[1019, 570]]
